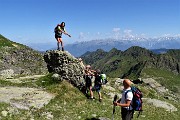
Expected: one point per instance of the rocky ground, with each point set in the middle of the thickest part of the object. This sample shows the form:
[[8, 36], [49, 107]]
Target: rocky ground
[[24, 97]]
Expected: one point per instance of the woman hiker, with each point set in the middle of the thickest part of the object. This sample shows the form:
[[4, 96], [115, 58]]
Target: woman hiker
[[59, 29]]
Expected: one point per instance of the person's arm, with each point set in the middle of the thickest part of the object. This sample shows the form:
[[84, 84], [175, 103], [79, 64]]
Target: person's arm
[[66, 33], [127, 104], [128, 101], [63, 31]]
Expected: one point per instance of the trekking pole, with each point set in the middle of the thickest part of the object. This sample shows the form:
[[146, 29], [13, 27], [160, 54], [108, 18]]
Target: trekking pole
[[115, 97]]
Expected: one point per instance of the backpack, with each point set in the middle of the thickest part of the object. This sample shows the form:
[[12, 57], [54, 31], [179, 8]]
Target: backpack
[[136, 102], [104, 79]]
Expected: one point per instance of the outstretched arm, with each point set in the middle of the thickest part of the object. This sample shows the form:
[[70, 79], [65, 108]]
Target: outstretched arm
[[65, 33]]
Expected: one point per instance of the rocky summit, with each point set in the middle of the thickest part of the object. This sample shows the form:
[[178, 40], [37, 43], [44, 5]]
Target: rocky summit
[[65, 65]]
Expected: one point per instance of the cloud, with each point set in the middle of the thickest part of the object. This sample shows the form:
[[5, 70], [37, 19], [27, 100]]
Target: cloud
[[81, 36], [116, 29], [166, 35], [128, 33], [116, 33]]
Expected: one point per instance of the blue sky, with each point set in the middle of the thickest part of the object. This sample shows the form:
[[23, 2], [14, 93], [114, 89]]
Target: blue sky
[[33, 21]]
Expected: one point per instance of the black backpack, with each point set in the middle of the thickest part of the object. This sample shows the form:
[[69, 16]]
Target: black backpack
[[136, 102], [56, 29]]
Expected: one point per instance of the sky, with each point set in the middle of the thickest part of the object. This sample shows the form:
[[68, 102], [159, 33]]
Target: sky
[[33, 21]]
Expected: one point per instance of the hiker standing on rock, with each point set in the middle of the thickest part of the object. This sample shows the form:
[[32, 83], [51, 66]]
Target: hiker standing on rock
[[125, 102], [59, 29]]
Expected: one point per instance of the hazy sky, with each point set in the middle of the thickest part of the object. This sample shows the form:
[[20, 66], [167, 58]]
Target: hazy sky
[[33, 21]]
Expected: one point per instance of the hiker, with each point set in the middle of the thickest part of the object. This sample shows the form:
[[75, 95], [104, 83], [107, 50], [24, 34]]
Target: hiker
[[125, 102], [98, 84], [81, 63], [59, 29], [88, 80]]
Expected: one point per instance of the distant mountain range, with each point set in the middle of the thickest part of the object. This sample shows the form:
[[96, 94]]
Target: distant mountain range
[[80, 48]]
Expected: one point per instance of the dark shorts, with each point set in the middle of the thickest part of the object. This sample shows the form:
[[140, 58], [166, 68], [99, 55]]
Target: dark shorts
[[88, 81], [58, 36], [126, 114], [96, 88]]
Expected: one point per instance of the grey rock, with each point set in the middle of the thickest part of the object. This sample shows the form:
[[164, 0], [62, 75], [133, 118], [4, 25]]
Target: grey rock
[[103, 118], [24, 98], [162, 104], [65, 65], [8, 73]]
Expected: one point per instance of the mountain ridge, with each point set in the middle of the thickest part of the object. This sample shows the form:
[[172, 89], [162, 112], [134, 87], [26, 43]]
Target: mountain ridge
[[79, 48], [18, 59], [132, 57]]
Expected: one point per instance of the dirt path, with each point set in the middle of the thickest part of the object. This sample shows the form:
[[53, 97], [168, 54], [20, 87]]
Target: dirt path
[[23, 79], [25, 97]]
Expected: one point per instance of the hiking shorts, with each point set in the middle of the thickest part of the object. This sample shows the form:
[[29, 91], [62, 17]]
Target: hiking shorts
[[58, 36], [126, 114], [96, 88], [88, 81]]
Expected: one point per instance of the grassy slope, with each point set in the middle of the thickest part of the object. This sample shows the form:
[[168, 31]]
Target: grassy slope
[[5, 42], [71, 104], [164, 77]]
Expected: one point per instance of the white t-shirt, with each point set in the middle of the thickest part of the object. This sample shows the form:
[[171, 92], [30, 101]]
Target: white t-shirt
[[129, 96]]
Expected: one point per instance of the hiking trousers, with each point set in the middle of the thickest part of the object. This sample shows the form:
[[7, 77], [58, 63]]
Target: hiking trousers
[[126, 114]]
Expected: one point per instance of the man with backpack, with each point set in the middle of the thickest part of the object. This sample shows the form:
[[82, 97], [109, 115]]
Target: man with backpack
[[98, 84], [59, 29], [125, 102]]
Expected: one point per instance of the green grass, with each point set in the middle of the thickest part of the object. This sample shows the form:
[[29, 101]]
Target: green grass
[[165, 78], [71, 104]]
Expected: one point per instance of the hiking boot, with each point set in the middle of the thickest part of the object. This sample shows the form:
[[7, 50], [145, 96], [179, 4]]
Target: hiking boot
[[100, 100], [92, 98]]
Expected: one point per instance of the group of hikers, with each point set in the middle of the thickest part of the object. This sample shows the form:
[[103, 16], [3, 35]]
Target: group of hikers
[[89, 73], [127, 108], [128, 94]]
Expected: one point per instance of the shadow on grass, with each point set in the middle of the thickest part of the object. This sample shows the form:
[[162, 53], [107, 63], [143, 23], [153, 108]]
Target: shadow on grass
[[92, 119]]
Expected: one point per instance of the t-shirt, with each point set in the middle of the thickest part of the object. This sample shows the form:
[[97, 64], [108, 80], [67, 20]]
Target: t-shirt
[[97, 81], [129, 96], [58, 30]]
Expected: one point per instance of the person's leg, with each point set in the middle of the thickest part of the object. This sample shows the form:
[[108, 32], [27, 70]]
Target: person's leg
[[100, 98], [91, 92], [99, 93], [126, 114], [62, 45], [131, 113], [58, 41]]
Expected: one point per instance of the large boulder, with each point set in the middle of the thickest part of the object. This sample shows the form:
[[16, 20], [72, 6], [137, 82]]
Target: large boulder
[[67, 66]]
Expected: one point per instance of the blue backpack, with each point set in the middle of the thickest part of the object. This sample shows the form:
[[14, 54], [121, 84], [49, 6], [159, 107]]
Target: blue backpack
[[136, 102]]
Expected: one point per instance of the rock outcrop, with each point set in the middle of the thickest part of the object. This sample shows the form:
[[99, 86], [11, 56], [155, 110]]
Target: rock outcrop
[[67, 66]]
